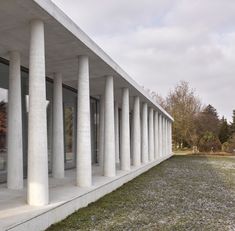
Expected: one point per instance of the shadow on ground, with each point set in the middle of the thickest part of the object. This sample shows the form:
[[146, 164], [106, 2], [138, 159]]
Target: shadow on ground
[[182, 193]]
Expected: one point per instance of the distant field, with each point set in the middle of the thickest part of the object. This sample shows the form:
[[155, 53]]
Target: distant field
[[183, 193]]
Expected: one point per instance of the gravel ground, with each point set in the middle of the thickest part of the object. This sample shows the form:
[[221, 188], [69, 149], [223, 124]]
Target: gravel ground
[[182, 193]]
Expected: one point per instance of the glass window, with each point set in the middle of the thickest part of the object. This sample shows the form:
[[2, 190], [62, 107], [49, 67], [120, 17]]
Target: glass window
[[3, 132], [69, 136], [70, 112]]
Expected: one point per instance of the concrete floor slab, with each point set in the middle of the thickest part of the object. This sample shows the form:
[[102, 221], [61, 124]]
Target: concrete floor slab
[[65, 198]]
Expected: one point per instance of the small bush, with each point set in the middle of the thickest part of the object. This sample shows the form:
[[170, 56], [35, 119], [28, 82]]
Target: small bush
[[230, 145], [209, 143]]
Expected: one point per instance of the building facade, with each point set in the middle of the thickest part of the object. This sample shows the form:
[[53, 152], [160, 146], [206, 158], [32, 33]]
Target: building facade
[[69, 117]]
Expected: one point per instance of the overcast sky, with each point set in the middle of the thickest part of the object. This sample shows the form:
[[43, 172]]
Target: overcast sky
[[160, 42]]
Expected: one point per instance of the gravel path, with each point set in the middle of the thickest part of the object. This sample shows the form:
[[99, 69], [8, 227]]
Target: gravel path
[[182, 193]]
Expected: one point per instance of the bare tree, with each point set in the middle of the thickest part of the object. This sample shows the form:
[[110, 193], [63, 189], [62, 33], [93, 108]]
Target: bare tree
[[183, 105]]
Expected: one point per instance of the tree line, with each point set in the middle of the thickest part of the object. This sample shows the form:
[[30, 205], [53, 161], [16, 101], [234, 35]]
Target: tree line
[[195, 125]]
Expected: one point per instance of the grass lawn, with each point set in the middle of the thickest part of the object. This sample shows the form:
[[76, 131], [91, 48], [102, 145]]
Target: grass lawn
[[182, 193]]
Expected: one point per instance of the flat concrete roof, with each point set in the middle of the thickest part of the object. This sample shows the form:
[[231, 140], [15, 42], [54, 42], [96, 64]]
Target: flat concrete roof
[[64, 41]]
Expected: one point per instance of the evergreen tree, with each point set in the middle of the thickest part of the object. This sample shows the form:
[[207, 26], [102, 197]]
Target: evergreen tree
[[207, 121], [224, 132], [210, 110], [232, 126]]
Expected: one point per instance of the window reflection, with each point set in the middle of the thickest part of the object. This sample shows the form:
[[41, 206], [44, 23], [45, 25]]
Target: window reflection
[[69, 100], [3, 129], [69, 134]]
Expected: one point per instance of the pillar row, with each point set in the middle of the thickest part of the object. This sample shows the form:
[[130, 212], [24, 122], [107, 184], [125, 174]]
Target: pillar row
[[37, 120], [83, 170], [125, 132], [14, 127]]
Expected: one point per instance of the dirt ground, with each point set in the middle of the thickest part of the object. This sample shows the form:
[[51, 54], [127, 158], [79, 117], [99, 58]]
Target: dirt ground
[[182, 193]]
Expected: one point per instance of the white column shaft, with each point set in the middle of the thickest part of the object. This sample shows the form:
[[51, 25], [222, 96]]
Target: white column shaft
[[167, 140], [170, 137], [136, 138], [109, 133], [160, 135], [116, 116], [151, 135], [101, 133], [14, 127], [84, 175], [125, 131], [144, 137], [164, 136], [156, 151], [58, 129], [37, 119]]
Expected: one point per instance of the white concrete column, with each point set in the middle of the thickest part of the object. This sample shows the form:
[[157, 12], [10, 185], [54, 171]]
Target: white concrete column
[[125, 131], [14, 127], [101, 133], [167, 138], [136, 138], [151, 135], [170, 137], [116, 117], [169, 151], [156, 151], [92, 126], [50, 134], [144, 137], [84, 174], [37, 119], [160, 135], [163, 136], [109, 133], [58, 129]]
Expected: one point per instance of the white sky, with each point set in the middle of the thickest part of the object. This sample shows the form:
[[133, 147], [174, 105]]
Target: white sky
[[160, 42]]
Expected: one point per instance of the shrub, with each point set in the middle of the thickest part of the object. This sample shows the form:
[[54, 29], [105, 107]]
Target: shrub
[[209, 143], [230, 145]]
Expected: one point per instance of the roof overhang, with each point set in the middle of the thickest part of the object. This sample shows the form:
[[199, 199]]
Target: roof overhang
[[64, 41]]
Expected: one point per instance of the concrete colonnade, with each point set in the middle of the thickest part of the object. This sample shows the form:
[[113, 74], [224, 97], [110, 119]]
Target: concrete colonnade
[[150, 138]]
